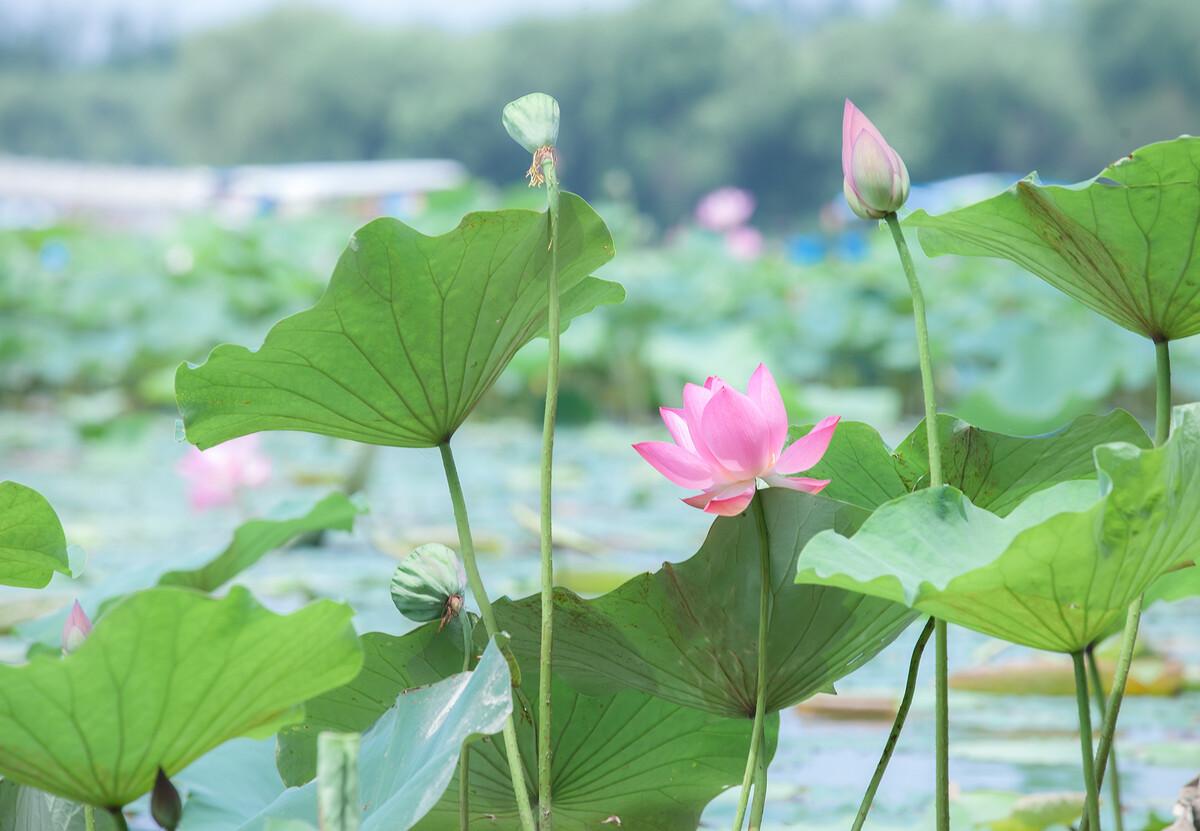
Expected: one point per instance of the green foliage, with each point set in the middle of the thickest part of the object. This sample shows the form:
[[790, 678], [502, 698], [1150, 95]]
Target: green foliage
[[412, 331], [164, 677], [410, 754], [651, 762], [1057, 574], [994, 471], [257, 537], [1123, 243], [32, 543], [688, 632]]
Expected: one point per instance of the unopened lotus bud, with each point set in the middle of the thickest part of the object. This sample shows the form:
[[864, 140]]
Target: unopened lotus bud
[[165, 805], [429, 584], [532, 122], [76, 629], [875, 179]]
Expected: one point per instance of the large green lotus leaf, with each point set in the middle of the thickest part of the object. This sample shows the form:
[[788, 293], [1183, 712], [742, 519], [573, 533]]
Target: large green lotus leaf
[[390, 664], [411, 332], [164, 677], [994, 470], [1057, 573], [253, 539], [409, 756], [651, 762], [32, 543], [1124, 243], [688, 633]]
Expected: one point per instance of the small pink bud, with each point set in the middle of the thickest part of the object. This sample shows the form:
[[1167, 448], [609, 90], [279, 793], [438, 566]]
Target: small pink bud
[[875, 179], [76, 629]]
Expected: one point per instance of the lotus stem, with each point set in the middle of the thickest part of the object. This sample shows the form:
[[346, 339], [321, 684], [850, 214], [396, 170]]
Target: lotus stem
[[545, 777], [1133, 618], [1114, 781], [464, 755], [89, 818], [118, 818], [466, 542], [760, 793], [1092, 805], [910, 687], [764, 622], [942, 698]]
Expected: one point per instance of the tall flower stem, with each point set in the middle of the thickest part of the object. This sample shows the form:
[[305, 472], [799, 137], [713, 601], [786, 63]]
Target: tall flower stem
[[759, 805], [464, 757], [910, 687], [89, 818], [545, 778], [467, 543], [118, 818], [1114, 781], [1133, 618], [1092, 804], [942, 698], [764, 623]]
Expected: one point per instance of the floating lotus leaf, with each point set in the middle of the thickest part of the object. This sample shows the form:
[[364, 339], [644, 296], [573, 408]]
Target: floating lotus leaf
[[1124, 243], [411, 332], [164, 677], [994, 470], [1057, 573], [688, 633], [32, 544], [649, 761]]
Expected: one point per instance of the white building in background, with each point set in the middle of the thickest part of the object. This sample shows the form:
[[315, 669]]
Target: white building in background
[[39, 191]]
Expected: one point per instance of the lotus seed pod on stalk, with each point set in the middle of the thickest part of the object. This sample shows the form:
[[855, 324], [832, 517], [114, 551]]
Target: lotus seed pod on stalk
[[875, 179], [532, 122], [429, 584]]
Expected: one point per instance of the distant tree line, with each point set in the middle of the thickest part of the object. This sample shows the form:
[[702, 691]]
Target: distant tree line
[[669, 98]]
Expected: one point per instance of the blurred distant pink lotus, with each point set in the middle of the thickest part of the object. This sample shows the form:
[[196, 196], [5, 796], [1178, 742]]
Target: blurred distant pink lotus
[[725, 441], [744, 243], [875, 179], [76, 629], [725, 209], [216, 476]]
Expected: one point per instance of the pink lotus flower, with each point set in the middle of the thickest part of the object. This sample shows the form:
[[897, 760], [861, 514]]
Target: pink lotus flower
[[725, 209], [875, 179], [725, 441], [216, 476], [76, 629], [744, 243]]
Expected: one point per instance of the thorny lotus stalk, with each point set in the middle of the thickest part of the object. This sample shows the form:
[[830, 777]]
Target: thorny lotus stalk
[[467, 545], [942, 705], [1114, 781], [1092, 804], [545, 156], [760, 701], [1162, 432], [910, 687]]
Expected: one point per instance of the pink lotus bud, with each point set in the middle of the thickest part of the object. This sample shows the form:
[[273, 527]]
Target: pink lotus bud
[[744, 243], [875, 179], [76, 629], [726, 440]]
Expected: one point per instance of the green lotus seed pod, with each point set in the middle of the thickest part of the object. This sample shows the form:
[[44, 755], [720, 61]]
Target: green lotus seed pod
[[429, 584], [532, 121]]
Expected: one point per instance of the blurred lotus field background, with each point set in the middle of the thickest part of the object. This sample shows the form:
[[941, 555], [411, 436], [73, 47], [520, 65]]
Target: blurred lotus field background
[[706, 135]]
